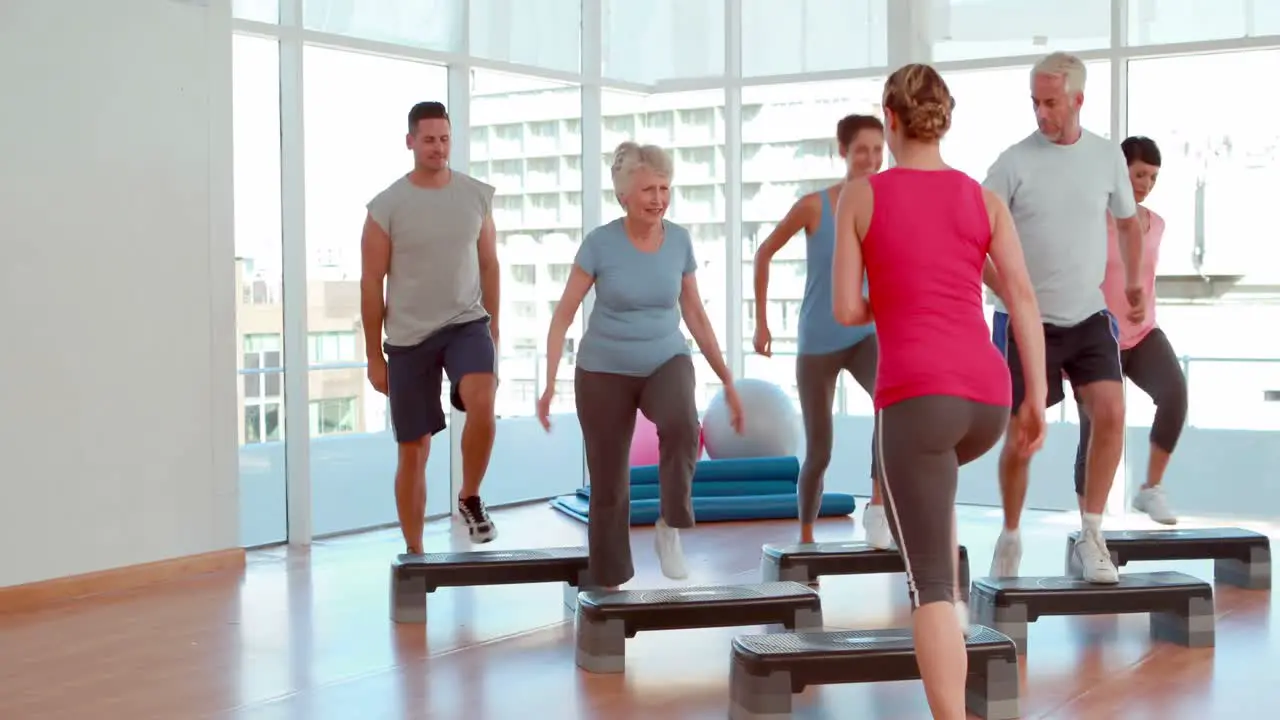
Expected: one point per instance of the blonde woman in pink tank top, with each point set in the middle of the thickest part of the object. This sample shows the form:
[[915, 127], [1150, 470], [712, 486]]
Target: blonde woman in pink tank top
[[1146, 356]]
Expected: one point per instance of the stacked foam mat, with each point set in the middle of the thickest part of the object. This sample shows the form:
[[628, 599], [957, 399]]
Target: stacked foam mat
[[723, 490]]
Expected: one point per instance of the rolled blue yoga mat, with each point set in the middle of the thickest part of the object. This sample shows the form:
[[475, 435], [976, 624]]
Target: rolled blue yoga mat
[[709, 471], [718, 508]]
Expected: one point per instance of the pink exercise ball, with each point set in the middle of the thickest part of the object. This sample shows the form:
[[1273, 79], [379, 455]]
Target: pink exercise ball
[[644, 442]]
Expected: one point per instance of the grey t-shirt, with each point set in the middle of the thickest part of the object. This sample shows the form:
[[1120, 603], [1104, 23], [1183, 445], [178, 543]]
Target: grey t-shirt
[[434, 279], [1059, 196], [635, 325]]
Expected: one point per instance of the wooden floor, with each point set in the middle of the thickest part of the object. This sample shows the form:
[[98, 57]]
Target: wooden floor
[[305, 635]]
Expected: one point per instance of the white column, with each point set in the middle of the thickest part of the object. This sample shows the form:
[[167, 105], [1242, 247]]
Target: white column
[[910, 32], [224, 502], [593, 180], [460, 158], [733, 185], [1116, 504], [294, 270]]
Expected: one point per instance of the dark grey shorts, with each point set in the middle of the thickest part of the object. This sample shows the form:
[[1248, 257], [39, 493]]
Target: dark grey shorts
[[415, 376]]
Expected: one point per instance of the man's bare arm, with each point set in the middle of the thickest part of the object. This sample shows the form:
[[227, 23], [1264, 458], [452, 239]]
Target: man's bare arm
[[490, 272], [375, 262]]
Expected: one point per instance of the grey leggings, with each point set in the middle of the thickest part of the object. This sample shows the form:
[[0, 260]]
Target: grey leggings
[[816, 377], [923, 442], [1153, 366], [607, 405]]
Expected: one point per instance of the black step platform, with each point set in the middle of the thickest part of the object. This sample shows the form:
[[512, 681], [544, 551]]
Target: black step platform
[[768, 669], [606, 619], [414, 576], [806, 562], [1241, 557], [1181, 606]]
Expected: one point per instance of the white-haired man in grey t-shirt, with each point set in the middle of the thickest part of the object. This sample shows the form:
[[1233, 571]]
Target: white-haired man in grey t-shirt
[[1060, 182]]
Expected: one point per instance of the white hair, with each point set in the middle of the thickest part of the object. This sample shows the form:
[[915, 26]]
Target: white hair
[[1064, 65], [629, 157]]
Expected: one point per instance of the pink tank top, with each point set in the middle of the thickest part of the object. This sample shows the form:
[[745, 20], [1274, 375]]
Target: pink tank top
[[1113, 284], [924, 252]]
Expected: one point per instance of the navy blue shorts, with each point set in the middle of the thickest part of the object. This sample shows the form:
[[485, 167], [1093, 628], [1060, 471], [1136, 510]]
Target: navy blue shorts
[[415, 376], [1086, 353]]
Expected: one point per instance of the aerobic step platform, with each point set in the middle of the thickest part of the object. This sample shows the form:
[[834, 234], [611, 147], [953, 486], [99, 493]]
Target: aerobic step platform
[[606, 619], [1181, 606], [767, 670], [1240, 557], [413, 577], [806, 562]]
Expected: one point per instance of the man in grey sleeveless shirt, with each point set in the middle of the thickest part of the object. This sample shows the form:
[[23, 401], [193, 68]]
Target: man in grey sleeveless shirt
[[430, 238]]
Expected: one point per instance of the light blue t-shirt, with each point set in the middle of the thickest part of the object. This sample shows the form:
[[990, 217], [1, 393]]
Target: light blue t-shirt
[[635, 325], [820, 333], [1059, 196]]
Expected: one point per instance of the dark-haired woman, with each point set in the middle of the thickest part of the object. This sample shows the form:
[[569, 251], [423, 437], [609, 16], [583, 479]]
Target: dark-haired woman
[[1146, 356], [825, 346]]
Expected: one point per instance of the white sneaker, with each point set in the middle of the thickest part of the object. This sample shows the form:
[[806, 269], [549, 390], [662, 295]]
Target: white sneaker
[[1094, 559], [1008, 555], [876, 525], [1152, 502], [666, 542]]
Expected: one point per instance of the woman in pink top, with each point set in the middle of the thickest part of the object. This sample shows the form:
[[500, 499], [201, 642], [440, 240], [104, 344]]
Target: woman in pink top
[[923, 232], [1146, 356]]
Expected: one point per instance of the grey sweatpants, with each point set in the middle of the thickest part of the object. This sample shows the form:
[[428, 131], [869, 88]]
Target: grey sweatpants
[[607, 405], [816, 377], [923, 442]]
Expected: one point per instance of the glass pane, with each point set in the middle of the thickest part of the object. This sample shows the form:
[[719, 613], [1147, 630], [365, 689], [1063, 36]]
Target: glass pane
[[356, 107], [267, 11], [541, 33], [259, 314], [977, 29], [527, 143], [1217, 182], [429, 24], [789, 150], [781, 37], [690, 126], [353, 455], [662, 39], [1154, 22], [993, 111]]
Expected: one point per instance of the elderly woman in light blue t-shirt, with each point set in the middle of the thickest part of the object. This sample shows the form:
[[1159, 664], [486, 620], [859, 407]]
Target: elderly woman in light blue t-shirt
[[634, 357]]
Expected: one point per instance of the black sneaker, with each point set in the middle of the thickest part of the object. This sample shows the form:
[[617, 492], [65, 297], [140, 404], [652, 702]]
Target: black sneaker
[[479, 525]]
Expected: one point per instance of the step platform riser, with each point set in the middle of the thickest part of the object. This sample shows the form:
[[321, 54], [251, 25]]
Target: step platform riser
[[763, 687], [806, 566], [1241, 558], [413, 578], [1181, 614], [605, 621]]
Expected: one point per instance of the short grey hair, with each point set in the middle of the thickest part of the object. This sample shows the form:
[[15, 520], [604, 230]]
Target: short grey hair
[[630, 157], [1064, 65]]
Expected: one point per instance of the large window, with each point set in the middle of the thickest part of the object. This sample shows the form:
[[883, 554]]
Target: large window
[[258, 292], [526, 141], [789, 150], [993, 111], [1221, 169], [356, 109], [646, 42], [541, 33], [1155, 22], [690, 126], [783, 37], [1215, 191], [431, 24], [977, 29]]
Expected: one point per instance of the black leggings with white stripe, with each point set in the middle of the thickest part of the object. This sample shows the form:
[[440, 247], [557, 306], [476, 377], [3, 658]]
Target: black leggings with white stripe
[[923, 442]]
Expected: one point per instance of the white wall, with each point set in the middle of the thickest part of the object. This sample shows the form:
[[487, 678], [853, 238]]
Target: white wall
[[117, 444]]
